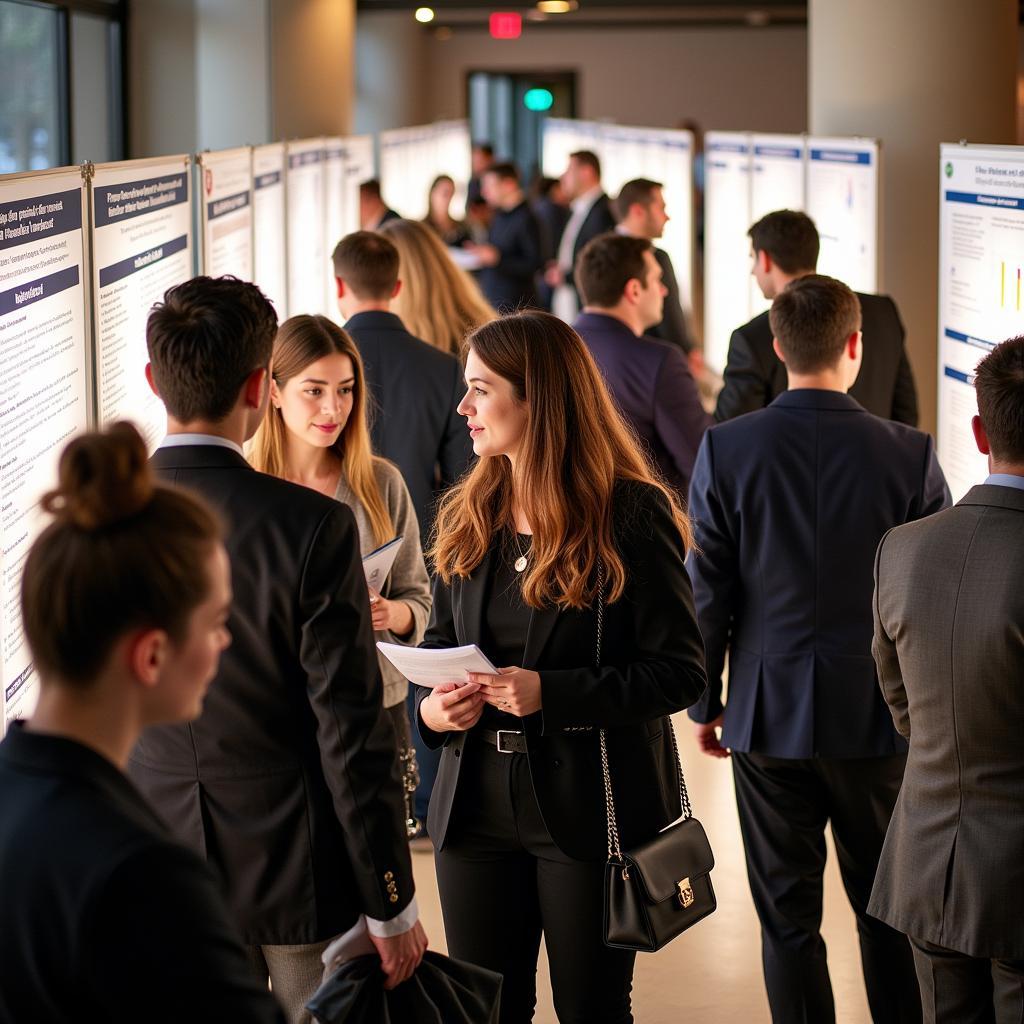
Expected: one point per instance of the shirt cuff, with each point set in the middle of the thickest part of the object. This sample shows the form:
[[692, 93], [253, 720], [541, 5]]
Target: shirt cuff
[[395, 925]]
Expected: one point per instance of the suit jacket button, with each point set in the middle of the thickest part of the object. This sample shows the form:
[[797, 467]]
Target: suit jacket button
[[556, 764], [388, 875], [393, 897]]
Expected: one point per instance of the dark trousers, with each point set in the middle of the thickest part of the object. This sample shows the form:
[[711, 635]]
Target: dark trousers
[[503, 883], [427, 761], [961, 989], [784, 806]]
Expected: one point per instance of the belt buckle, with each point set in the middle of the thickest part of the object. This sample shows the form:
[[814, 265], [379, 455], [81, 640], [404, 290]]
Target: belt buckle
[[507, 732]]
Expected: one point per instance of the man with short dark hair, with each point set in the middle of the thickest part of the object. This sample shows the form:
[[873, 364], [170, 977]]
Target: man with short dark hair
[[514, 252], [620, 281], [481, 157], [590, 216], [640, 208], [416, 387], [287, 782], [789, 504], [373, 211], [784, 246], [949, 609]]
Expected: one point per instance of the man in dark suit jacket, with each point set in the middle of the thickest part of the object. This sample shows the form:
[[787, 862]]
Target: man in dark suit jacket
[[620, 281], [785, 246], [373, 211], [948, 611], [416, 388], [591, 215], [514, 252], [789, 504], [640, 207], [287, 782]]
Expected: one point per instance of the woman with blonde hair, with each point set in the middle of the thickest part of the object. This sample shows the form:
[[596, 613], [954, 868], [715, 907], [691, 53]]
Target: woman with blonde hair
[[315, 434], [438, 301], [558, 529]]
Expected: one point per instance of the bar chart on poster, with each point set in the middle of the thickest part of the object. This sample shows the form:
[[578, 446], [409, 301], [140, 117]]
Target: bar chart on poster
[[981, 291], [44, 382], [142, 246]]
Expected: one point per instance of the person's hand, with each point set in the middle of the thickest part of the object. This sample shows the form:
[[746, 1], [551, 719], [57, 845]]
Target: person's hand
[[707, 737], [553, 275], [515, 690], [393, 615], [401, 954], [487, 255], [696, 361], [452, 707]]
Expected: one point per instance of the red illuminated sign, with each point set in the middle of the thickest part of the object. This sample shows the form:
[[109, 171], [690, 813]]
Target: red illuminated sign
[[506, 25]]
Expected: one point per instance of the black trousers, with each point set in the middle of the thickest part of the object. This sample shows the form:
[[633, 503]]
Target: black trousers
[[961, 989], [503, 883], [784, 806]]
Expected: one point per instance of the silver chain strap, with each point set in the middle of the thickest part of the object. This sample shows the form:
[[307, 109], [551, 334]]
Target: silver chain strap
[[614, 845]]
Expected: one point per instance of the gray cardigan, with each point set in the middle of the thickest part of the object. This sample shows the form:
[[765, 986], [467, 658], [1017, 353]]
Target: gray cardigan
[[408, 579]]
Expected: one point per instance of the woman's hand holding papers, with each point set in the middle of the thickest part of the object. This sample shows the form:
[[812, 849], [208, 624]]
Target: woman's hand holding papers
[[452, 707], [515, 690]]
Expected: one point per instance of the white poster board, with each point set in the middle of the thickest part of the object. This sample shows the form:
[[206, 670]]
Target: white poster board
[[334, 219], [842, 200], [411, 158], [270, 252], [226, 213], [142, 246], [981, 291], [360, 166], [305, 204], [727, 169], [44, 383]]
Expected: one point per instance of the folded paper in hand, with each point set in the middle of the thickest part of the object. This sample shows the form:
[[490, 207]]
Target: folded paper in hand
[[377, 564], [434, 667]]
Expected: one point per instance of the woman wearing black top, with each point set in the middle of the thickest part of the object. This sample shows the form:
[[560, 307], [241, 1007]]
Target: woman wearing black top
[[125, 597], [560, 498]]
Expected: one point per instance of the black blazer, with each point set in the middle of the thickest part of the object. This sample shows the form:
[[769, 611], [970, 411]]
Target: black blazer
[[673, 327], [788, 505], [416, 389], [516, 234], [754, 374], [287, 782], [103, 916], [598, 220], [652, 665]]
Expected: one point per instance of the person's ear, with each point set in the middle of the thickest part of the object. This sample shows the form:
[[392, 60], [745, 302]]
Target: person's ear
[[764, 261], [150, 381], [778, 350], [275, 394], [398, 288], [853, 345], [980, 436], [633, 289], [146, 655], [252, 389], [340, 286]]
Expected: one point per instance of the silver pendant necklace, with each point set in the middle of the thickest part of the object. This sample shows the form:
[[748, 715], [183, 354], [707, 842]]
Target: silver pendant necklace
[[521, 562]]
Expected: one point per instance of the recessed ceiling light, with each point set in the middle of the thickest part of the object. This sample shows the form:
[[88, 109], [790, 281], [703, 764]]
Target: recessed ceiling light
[[424, 14], [557, 6]]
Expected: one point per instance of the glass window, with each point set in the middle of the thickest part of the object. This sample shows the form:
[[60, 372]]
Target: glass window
[[31, 97]]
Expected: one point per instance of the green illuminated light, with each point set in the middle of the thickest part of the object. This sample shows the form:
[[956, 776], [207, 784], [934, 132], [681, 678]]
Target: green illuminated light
[[538, 99]]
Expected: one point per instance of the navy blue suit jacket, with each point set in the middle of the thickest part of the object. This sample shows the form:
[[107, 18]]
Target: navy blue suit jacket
[[651, 383], [789, 504]]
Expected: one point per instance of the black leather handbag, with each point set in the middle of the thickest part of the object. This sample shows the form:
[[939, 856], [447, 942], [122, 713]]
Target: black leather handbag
[[657, 890]]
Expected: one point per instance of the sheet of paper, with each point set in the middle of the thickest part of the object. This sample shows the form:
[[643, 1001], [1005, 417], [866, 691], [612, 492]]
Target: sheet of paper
[[435, 667], [377, 564]]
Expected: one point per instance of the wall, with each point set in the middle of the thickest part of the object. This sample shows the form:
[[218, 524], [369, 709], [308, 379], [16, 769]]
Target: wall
[[391, 72]]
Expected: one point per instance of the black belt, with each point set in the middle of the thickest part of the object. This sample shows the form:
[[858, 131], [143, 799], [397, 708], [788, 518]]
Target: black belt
[[505, 741]]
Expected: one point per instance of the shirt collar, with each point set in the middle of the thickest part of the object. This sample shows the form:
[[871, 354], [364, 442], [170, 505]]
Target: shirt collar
[[189, 440], [1006, 480], [587, 199]]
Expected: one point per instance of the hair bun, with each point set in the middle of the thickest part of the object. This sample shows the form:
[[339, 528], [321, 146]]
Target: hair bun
[[103, 479]]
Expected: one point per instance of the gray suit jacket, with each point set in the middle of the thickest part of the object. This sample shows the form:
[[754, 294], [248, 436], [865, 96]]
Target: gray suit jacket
[[949, 645]]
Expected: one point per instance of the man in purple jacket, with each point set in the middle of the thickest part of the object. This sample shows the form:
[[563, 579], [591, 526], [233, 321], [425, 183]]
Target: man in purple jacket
[[620, 282]]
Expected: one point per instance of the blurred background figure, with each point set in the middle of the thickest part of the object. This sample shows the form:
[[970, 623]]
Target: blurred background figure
[[481, 159], [373, 211], [438, 301], [552, 212], [451, 231]]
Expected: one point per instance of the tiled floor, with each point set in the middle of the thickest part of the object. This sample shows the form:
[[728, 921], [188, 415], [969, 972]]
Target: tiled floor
[[711, 974]]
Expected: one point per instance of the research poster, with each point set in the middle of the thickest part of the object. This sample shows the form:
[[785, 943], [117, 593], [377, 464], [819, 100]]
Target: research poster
[[359, 167], [334, 219], [981, 291], [306, 229], [269, 253], [142, 246], [776, 183], [842, 200], [44, 389], [727, 169], [226, 213], [410, 159]]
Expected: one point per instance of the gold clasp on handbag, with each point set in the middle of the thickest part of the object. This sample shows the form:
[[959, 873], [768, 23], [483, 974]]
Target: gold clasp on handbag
[[685, 894]]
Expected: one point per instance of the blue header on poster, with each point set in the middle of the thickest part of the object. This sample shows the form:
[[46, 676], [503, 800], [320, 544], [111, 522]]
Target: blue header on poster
[[221, 207], [115, 203], [783, 152], [125, 268], [297, 160], [980, 199], [35, 291], [32, 220], [841, 156]]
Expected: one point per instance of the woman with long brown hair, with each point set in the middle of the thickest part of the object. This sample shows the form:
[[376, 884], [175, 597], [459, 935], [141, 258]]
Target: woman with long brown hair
[[439, 216], [315, 433], [438, 301], [561, 512]]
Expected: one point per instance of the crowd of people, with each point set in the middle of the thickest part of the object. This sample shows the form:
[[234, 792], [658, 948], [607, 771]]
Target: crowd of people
[[223, 773]]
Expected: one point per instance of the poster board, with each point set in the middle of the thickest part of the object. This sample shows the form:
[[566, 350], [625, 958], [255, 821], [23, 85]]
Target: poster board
[[44, 384], [269, 238], [411, 158], [305, 217], [334, 219], [981, 287], [225, 213], [141, 237]]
